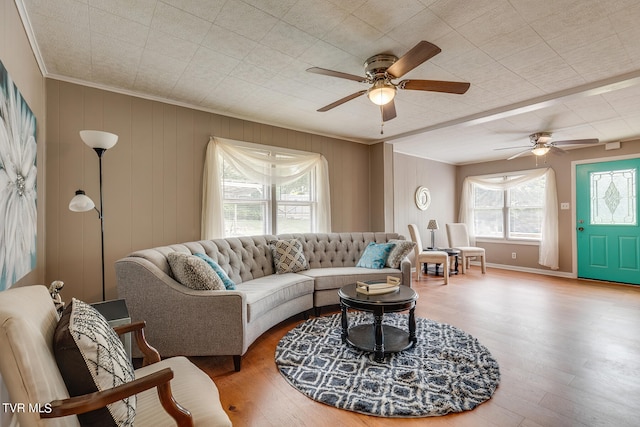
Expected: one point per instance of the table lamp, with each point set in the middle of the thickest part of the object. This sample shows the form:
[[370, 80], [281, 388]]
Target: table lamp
[[433, 226]]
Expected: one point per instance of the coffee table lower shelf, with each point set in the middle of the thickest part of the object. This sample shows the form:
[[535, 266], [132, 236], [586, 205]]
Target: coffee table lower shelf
[[376, 337], [363, 337]]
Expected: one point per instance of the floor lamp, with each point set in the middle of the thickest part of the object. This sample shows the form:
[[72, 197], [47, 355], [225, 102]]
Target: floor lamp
[[100, 141]]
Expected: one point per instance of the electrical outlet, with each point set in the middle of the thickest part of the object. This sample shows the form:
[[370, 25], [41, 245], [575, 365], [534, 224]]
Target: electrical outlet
[[564, 206], [513, 255]]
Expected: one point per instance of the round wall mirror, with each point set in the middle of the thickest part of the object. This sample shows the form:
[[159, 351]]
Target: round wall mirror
[[423, 198]]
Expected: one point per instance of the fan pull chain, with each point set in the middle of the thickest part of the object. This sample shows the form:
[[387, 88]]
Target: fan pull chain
[[381, 121]]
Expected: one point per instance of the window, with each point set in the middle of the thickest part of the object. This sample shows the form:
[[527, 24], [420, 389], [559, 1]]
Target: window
[[252, 208], [512, 213], [253, 189], [515, 206]]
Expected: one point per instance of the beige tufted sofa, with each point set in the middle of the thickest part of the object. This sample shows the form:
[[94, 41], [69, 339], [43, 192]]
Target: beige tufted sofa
[[181, 321]]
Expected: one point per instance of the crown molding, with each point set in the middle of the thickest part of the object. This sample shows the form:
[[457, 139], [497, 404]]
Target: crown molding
[[28, 29]]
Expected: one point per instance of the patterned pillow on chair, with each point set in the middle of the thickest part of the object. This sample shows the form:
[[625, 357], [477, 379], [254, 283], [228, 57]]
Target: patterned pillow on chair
[[288, 256], [91, 358]]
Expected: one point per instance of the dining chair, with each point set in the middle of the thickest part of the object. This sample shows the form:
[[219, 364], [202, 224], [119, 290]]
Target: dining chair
[[459, 239], [428, 256]]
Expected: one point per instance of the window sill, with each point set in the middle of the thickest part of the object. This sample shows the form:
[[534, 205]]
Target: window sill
[[509, 242]]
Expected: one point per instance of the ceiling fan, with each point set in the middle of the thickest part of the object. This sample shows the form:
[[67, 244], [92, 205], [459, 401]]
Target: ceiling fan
[[542, 143], [381, 69]]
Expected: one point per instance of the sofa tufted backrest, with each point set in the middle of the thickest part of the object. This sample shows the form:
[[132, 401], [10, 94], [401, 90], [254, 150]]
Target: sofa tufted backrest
[[246, 258], [324, 250], [242, 258]]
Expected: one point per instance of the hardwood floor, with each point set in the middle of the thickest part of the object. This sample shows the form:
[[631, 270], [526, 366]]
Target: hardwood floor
[[569, 355]]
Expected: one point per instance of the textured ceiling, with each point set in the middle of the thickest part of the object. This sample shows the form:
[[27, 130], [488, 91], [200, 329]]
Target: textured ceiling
[[571, 67]]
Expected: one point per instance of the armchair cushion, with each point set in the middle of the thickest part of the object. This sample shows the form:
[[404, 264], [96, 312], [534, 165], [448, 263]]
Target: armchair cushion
[[191, 387], [91, 358]]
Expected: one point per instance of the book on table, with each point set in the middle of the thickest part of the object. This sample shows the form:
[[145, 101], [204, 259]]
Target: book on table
[[373, 287]]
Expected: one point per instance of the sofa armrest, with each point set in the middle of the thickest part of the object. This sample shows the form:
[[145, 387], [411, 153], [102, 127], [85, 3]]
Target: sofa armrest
[[205, 322], [92, 401], [405, 268]]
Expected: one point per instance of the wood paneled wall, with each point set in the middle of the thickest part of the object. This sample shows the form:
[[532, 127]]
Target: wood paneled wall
[[410, 173], [152, 178]]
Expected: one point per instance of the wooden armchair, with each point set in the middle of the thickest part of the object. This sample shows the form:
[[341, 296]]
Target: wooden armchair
[[27, 323]]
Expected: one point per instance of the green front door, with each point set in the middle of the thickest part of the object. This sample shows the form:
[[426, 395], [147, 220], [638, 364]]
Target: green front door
[[608, 232]]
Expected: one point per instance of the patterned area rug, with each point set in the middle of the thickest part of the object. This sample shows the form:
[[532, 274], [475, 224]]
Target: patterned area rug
[[447, 371]]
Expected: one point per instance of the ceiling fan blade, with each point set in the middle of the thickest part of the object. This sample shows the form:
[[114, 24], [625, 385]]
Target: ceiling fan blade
[[435, 86], [339, 74], [556, 150], [519, 154], [511, 148], [342, 101], [410, 60], [577, 141], [388, 111]]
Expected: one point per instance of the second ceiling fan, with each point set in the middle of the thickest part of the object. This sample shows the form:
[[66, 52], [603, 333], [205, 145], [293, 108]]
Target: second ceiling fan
[[382, 69], [542, 142]]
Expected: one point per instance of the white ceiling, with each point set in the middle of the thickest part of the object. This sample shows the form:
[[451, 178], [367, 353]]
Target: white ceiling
[[567, 66]]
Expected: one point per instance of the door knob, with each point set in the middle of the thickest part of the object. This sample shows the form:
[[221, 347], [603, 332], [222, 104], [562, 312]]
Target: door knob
[[580, 228]]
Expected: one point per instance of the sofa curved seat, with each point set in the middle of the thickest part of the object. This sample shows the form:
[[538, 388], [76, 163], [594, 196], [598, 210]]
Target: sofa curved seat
[[186, 322]]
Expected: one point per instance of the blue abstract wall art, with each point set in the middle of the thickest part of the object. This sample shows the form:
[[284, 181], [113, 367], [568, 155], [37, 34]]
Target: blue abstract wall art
[[18, 213]]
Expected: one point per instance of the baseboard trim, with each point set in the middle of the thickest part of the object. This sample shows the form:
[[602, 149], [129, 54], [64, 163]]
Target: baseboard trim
[[565, 274], [555, 273]]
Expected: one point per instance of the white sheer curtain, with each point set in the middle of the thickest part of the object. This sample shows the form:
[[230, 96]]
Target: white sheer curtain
[[548, 252], [257, 167]]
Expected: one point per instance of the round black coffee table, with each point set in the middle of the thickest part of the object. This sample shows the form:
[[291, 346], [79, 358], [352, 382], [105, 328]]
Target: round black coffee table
[[375, 336]]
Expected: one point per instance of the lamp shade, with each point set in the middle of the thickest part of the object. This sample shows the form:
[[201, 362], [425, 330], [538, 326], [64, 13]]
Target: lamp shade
[[98, 139], [433, 225], [381, 93], [540, 149], [81, 202]]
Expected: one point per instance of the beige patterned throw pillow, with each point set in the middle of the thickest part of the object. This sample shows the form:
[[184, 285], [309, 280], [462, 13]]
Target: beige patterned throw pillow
[[193, 272], [400, 250], [288, 256]]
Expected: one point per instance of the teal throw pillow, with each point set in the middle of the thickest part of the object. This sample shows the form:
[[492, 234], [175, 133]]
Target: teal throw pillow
[[228, 283], [375, 255]]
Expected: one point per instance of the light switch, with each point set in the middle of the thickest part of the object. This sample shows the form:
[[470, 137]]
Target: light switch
[[564, 206]]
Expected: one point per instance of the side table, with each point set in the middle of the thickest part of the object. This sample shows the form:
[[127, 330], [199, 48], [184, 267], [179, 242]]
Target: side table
[[116, 313]]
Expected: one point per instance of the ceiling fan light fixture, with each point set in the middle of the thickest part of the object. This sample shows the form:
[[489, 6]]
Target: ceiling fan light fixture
[[381, 93], [540, 149]]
